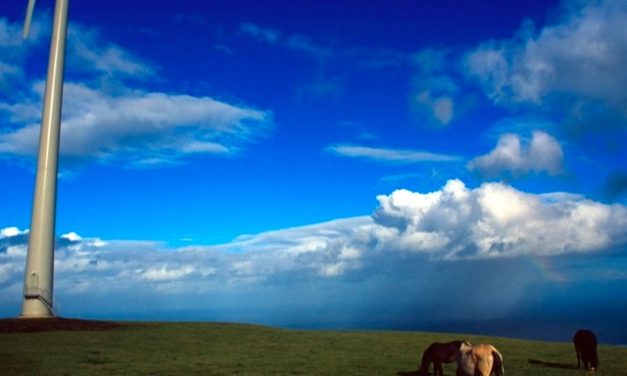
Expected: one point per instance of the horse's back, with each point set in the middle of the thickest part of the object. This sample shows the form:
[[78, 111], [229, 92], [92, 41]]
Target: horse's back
[[443, 352], [584, 337]]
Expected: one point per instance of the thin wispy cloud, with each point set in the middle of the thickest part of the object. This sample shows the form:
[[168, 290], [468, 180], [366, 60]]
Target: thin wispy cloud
[[306, 45], [371, 58], [293, 42], [399, 177], [360, 57], [14, 49], [389, 155], [263, 34], [89, 50]]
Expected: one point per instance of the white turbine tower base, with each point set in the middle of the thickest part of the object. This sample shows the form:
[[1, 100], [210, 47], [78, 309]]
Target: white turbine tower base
[[38, 279]]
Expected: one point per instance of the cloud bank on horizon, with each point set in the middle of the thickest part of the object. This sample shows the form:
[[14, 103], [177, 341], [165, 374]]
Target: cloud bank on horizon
[[445, 229]]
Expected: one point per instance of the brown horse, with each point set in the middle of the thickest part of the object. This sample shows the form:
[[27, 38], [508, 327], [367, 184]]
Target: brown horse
[[479, 360], [438, 353]]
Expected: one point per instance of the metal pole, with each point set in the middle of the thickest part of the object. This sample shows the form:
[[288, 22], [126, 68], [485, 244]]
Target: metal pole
[[38, 280]]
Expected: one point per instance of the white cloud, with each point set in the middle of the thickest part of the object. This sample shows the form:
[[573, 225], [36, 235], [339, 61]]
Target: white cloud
[[138, 126], [498, 220], [581, 58], [510, 157], [11, 232], [390, 155], [72, 236]]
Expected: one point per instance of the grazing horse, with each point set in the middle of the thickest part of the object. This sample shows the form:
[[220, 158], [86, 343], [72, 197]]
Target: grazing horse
[[479, 360], [586, 347], [438, 353]]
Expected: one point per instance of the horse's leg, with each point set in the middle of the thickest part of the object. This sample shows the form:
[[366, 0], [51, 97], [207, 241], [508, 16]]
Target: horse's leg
[[437, 369], [425, 363], [585, 361], [424, 369], [465, 368]]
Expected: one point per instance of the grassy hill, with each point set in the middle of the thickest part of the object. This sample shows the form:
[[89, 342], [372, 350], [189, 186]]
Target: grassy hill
[[235, 349]]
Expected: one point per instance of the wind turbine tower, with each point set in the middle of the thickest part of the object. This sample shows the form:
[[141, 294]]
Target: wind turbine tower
[[38, 279]]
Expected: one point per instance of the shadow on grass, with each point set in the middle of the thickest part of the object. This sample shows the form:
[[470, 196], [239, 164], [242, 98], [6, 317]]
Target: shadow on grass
[[541, 363], [408, 373]]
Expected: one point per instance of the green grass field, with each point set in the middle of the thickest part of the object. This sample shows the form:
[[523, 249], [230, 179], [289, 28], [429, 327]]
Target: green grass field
[[233, 349]]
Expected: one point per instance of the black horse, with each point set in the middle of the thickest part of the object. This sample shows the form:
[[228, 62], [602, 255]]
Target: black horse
[[586, 347], [438, 353]]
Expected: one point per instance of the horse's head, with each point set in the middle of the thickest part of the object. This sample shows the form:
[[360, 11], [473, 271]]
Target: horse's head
[[594, 361], [460, 345], [465, 345]]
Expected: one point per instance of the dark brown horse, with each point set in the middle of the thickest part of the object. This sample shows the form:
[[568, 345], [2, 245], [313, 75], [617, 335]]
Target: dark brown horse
[[438, 353], [586, 347]]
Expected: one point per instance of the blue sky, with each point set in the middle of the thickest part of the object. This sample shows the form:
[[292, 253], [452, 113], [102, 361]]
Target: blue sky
[[307, 158]]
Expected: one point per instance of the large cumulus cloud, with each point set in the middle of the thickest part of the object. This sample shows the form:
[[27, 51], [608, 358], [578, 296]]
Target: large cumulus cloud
[[497, 220]]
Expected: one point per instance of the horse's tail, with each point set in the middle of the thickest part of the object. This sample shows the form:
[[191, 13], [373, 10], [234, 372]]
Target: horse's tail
[[497, 367]]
